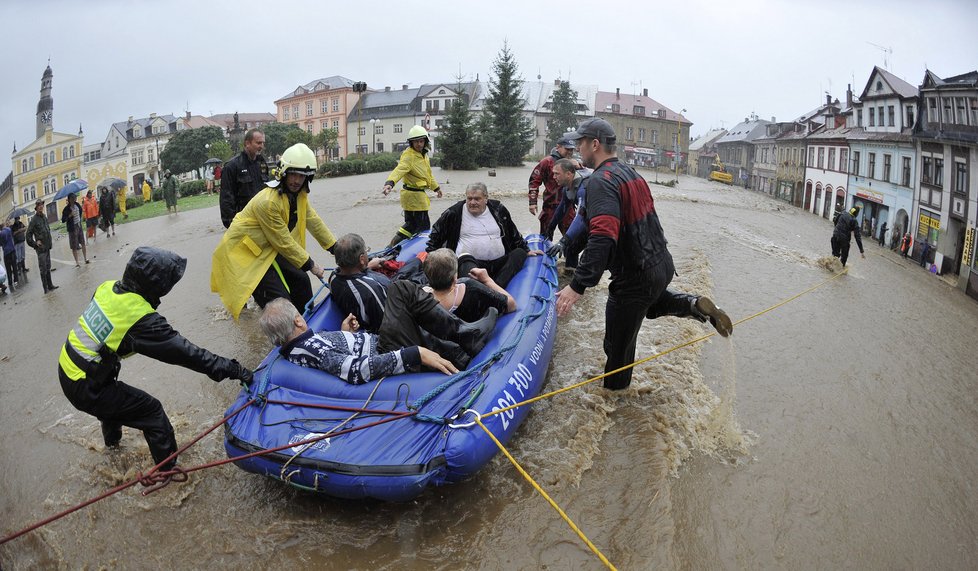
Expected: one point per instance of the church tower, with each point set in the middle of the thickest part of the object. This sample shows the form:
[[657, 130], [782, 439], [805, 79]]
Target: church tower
[[45, 106]]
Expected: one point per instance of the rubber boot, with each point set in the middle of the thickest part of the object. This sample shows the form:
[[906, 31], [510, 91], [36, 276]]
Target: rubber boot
[[111, 433], [397, 239], [472, 337], [704, 308]]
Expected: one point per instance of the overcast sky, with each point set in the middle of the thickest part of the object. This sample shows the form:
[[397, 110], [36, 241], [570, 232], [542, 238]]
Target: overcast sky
[[718, 60]]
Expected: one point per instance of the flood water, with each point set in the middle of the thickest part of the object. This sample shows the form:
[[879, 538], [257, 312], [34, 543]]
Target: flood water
[[837, 431]]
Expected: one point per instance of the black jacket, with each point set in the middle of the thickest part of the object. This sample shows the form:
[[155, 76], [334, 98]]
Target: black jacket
[[241, 179], [152, 273], [445, 233], [845, 225]]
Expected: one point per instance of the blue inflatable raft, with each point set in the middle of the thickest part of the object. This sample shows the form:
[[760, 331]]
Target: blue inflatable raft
[[389, 439]]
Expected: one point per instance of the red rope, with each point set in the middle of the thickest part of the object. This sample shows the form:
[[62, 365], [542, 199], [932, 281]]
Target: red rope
[[154, 479]]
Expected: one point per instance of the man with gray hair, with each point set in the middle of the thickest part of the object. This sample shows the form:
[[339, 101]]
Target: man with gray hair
[[415, 332], [355, 287], [481, 231]]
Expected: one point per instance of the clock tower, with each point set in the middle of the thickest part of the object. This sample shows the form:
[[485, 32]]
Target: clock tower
[[45, 106]]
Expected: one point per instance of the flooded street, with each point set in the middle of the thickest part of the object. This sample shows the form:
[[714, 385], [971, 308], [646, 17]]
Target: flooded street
[[839, 430]]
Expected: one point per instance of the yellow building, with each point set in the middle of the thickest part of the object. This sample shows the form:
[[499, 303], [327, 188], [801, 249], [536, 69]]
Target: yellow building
[[50, 162]]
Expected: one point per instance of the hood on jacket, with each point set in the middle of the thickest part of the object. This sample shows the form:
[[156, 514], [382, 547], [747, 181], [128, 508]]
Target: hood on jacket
[[152, 273]]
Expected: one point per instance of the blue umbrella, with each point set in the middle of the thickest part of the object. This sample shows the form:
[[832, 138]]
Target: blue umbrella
[[75, 186]]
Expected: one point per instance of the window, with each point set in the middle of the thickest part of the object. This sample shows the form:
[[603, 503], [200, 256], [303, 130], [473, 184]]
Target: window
[[137, 132], [821, 157], [615, 108], [27, 194], [843, 159], [932, 110], [855, 163], [323, 106], [811, 156], [439, 123], [909, 116], [51, 159], [30, 161], [361, 149], [44, 160], [362, 131], [448, 104], [137, 157], [926, 170], [891, 114], [831, 165], [336, 124], [336, 104], [295, 111], [71, 152], [871, 166], [960, 177], [323, 125], [872, 117], [887, 163], [309, 127], [638, 110], [398, 127], [906, 171], [380, 147], [64, 153], [47, 187], [859, 117], [67, 180], [948, 110], [938, 171], [879, 85], [655, 137], [285, 113], [378, 129], [973, 102], [629, 133], [23, 165], [879, 112], [149, 154], [308, 108], [961, 112], [641, 134]]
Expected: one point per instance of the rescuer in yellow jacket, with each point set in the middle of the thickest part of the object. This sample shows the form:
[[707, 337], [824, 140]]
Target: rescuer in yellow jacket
[[121, 320], [415, 168], [263, 253]]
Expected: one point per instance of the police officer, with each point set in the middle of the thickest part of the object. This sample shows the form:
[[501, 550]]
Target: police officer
[[414, 167], [122, 320], [243, 176], [625, 237]]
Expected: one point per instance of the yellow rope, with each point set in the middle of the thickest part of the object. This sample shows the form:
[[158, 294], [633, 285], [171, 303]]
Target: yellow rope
[[657, 355], [541, 491]]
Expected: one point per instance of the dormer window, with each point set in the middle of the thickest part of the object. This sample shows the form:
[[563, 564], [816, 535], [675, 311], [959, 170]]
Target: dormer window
[[638, 110], [879, 86], [615, 108], [137, 132]]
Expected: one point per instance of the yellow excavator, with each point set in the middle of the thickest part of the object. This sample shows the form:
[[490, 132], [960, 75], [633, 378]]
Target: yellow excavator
[[719, 173]]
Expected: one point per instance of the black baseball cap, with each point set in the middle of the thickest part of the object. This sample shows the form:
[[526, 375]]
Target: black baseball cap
[[566, 142], [595, 129]]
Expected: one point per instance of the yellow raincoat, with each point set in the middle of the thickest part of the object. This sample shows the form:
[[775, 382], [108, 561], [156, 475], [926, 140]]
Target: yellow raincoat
[[256, 235], [415, 169], [121, 195], [147, 192]]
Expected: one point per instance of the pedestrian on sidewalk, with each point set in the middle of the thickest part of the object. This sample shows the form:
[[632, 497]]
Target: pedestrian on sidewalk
[[882, 238], [170, 191], [72, 217], [39, 238], [924, 253], [905, 245], [90, 208], [20, 235], [106, 204]]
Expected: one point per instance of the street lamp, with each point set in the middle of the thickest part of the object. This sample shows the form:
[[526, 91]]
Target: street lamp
[[373, 127], [679, 131], [359, 87]]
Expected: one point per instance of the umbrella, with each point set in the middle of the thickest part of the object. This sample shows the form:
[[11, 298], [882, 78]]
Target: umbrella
[[19, 211], [113, 183], [213, 162], [75, 186]]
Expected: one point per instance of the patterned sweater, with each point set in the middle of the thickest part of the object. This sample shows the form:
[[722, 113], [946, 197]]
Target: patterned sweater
[[352, 357]]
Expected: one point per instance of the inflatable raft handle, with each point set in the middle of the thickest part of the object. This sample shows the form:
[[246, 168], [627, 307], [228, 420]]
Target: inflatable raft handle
[[478, 418]]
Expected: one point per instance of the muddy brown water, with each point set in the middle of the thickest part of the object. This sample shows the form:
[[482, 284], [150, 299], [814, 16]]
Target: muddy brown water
[[837, 431]]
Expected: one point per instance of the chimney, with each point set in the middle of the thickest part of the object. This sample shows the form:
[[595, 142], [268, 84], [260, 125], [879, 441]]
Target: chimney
[[387, 89], [828, 99], [188, 115], [774, 119], [645, 92], [404, 87], [849, 96], [152, 115], [130, 119], [617, 93], [557, 83]]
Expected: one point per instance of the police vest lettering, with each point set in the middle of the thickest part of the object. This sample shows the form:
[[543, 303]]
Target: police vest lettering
[[102, 325]]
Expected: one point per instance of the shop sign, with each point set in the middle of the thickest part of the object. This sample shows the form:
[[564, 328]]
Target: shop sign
[[870, 195], [969, 244], [926, 221]]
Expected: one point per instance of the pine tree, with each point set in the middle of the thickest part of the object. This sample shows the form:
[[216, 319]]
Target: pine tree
[[562, 111], [457, 145], [513, 133], [486, 147]]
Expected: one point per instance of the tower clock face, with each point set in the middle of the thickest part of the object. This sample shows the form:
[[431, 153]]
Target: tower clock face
[[46, 117]]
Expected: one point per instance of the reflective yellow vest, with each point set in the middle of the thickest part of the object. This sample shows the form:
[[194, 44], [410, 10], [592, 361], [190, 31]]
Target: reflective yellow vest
[[103, 325]]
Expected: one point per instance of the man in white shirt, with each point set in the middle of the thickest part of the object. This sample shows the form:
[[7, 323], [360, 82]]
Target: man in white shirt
[[481, 231]]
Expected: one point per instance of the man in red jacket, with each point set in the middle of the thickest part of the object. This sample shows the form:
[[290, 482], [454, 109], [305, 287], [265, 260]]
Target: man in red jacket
[[543, 174]]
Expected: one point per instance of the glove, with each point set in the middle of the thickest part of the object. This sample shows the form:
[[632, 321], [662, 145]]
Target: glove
[[236, 371], [556, 250]]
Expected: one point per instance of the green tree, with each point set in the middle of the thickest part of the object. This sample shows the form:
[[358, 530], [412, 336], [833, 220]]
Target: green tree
[[276, 135], [326, 140], [457, 146], [562, 112], [220, 150], [187, 150], [513, 133], [486, 147], [297, 136]]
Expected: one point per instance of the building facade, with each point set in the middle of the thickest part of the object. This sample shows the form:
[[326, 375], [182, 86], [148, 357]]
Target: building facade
[[946, 190], [322, 104], [826, 173], [51, 161], [702, 151], [649, 133], [882, 155], [736, 148]]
